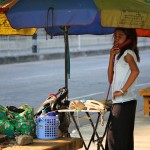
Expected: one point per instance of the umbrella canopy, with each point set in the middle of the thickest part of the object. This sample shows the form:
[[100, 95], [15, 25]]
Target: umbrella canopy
[[7, 3], [94, 28], [47, 13], [125, 13], [5, 27], [143, 33]]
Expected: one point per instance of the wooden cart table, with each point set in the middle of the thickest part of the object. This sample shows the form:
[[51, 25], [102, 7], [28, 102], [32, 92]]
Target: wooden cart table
[[57, 144]]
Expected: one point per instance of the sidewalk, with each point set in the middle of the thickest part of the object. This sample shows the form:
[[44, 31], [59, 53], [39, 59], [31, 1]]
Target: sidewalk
[[141, 133]]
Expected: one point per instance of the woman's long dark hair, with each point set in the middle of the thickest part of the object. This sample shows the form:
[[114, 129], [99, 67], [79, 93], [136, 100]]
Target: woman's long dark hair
[[131, 34]]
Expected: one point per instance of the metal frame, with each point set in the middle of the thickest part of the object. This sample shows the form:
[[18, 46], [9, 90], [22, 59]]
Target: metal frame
[[99, 139]]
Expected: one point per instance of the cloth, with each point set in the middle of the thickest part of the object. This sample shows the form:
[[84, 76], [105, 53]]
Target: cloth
[[121, 126], [121, 74]]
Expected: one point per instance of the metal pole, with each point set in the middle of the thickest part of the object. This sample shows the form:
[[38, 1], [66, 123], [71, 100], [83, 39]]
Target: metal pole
[[34, 43], [66, 55]]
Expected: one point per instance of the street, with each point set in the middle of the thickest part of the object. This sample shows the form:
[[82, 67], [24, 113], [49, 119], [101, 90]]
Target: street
[[30, 83]]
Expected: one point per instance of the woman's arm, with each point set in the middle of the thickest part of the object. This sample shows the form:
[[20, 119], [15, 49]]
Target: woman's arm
[[113, 53]]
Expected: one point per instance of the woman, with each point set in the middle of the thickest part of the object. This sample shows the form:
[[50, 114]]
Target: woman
[[122, 74]]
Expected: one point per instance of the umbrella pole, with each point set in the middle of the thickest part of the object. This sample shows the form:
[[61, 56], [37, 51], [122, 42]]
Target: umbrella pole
[[66, 55]]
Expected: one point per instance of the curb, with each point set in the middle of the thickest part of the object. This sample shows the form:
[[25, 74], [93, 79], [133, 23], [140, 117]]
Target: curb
[[50, 56]]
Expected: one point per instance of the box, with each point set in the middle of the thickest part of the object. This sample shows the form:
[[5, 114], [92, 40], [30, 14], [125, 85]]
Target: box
[[146, 99]]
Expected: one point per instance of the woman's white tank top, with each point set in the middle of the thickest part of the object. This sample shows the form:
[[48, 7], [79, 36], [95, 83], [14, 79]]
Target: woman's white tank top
[[121, 74]]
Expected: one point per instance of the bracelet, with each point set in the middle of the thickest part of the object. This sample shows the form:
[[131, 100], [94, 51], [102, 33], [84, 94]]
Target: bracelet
[[121, 91]]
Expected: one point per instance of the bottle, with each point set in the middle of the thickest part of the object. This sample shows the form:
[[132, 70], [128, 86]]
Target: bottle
[[58, 131], [57, 121], [43, 114]]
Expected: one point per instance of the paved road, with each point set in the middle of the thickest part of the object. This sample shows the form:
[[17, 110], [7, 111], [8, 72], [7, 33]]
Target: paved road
[[30, 83]]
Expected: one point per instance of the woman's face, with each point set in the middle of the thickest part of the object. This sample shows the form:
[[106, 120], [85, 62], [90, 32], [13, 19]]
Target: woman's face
[[119, 38]]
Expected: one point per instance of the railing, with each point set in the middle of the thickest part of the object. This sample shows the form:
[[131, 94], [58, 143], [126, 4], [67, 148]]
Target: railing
[[22, 45]]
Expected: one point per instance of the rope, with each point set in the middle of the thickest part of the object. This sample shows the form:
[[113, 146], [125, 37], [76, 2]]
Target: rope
[[108, 93]]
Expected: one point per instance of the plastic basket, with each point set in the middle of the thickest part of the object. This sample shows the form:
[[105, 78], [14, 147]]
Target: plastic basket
[[47, 127]]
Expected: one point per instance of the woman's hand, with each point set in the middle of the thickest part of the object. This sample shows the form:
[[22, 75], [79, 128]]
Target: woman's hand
[[117, 94], [114, 51]]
